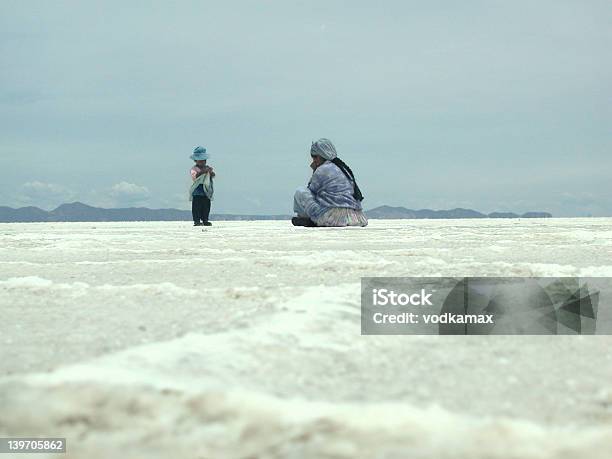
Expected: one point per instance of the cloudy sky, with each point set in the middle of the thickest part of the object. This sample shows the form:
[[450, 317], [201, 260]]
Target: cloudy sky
[[492, 105]]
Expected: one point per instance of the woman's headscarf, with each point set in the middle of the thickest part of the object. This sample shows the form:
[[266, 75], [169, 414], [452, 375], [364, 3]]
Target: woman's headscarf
[[323, 148]]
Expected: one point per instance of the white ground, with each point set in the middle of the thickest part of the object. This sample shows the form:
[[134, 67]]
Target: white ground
[[160, 340]]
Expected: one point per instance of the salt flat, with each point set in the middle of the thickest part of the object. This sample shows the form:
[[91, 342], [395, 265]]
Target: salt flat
[[243, 340]]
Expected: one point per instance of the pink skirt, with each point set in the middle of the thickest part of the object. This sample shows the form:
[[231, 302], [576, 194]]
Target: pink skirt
[[341, 216]]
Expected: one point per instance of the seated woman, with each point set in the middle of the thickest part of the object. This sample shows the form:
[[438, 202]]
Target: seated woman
[[332, 197]]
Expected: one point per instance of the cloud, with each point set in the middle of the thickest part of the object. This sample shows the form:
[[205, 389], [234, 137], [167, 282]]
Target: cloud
[[125, 193], [37, 187], [44, 195]]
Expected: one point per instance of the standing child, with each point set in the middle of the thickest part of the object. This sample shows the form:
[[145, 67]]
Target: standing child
[[201, 191]]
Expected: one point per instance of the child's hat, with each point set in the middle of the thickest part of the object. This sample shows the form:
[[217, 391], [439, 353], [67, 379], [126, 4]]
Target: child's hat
[[199, 154]]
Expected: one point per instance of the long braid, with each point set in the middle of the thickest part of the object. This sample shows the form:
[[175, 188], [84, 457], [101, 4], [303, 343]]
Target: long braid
[[346, 170]]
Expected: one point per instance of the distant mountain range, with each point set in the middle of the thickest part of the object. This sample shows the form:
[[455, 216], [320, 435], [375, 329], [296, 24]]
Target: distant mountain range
[[401, 212], [79, 212]]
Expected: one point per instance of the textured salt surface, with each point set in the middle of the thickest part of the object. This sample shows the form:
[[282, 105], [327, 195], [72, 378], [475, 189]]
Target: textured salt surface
[[243, 340]]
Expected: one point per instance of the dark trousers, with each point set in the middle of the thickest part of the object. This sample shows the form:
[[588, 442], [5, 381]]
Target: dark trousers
[[200, 208]]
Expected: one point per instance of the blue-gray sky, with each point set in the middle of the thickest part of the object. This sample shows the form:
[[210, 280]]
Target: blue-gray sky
[[492, 105]]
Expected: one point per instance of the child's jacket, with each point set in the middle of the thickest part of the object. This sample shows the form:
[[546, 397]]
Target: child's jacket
[[207, 183]]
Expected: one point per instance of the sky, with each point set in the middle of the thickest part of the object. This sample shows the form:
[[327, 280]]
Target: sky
[[489, 105]]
